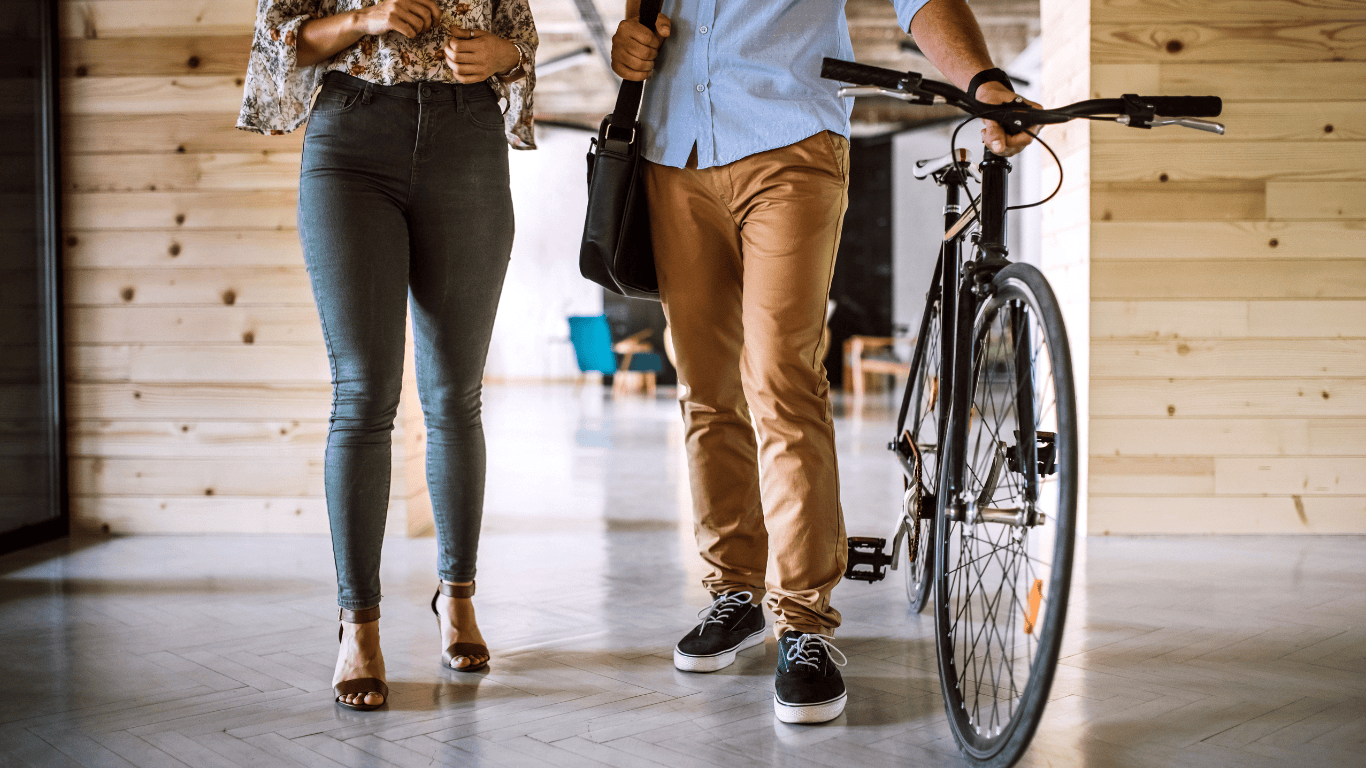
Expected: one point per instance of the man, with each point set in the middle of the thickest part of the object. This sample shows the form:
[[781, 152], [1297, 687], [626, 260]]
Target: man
[[748, 183]]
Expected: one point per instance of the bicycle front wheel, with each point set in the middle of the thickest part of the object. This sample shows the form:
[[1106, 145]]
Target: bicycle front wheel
[[1005, 539]]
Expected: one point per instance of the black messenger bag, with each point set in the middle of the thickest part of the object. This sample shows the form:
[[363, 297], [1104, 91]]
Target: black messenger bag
[[616, 251]]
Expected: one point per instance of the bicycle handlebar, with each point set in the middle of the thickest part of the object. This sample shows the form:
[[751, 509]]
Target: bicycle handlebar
[[1133, 110]]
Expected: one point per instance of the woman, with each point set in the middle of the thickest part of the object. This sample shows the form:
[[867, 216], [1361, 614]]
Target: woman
[[403, 197]]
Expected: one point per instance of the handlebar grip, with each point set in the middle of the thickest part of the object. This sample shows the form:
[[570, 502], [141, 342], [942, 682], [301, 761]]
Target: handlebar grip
[[1186, 106], [861, 74]]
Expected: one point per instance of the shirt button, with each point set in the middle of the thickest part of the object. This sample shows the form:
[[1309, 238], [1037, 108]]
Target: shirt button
[[703, 30], [701, 88]]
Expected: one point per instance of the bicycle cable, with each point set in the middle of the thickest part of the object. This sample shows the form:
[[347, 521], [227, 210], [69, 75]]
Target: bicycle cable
[[976, 209]]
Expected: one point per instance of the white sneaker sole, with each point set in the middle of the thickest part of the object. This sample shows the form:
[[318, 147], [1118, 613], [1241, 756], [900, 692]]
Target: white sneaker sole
[[686, 663], [810, 713]]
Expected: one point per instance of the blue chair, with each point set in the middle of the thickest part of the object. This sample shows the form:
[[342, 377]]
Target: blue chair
[[594, 351]]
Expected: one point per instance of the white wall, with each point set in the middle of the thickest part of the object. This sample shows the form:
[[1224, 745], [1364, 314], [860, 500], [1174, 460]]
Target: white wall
[[550, 194]]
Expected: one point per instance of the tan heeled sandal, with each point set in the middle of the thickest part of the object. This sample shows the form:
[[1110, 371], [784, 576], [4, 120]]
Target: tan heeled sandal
[[456, 650], [359, 685]]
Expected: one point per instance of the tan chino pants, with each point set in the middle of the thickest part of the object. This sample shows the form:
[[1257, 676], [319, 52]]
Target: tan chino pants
[[745, 254]]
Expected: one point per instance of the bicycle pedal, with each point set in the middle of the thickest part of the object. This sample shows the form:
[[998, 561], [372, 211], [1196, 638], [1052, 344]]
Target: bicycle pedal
[[867, 561]]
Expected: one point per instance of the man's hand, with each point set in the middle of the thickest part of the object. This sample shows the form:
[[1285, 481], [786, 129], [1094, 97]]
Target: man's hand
[[634, 47], [475, 55], [993, 135]]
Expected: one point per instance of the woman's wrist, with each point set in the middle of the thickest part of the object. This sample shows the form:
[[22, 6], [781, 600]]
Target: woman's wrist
[[511, 59]]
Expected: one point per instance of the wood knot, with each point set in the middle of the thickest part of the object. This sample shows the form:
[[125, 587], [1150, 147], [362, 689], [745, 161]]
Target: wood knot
[[1328, 128], [1163, 177], [180, 218], [193, 63], [1175, 46], [126, 294], [248, 338], [72, 241], [174, 250], [82, 70], [1171, 410], [1183, 349], [229, 297], [1273, 242]]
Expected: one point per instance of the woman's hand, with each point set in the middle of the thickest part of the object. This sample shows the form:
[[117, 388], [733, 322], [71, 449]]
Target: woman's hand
[[409, 18], [475, 55], [634, 46], [993, 135]]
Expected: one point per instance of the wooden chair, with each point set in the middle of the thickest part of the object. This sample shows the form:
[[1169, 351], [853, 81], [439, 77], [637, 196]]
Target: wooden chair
[[865, 355]]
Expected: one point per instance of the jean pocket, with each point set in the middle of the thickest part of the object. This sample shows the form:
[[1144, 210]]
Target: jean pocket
[[335, 99], [485, 114]]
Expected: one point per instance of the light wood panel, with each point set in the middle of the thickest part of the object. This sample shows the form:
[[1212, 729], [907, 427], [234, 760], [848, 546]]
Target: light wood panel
[[1264, 319], [1125, 43], [180, 248], [271, 325], [145, 18], [249, 402], [182, 172], [245, 286], [1227, 391], [1322, 279], [1234, 240], [1243, 397], [1229, 358], [1133, 514], [1167, 437]]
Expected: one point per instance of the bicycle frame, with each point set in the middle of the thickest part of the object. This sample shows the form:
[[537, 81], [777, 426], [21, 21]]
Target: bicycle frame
[[961, 286]]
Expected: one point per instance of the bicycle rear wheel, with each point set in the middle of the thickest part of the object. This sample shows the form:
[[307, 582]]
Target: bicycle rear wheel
[[1004, 565], [920, 426]]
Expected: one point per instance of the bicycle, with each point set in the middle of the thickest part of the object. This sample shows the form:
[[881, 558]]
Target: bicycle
[[986, 435]]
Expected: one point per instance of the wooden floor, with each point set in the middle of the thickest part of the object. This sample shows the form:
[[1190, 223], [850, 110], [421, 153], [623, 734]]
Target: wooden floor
[[217, 651]]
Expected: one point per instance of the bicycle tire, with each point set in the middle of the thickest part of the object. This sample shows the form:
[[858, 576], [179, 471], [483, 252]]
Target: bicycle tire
[[997, 647], [921, 406]]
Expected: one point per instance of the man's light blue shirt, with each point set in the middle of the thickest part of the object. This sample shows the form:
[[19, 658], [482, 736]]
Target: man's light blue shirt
[[739, 77]]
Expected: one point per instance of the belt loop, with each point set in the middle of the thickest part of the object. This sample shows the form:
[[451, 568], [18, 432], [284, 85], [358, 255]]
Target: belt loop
[[459, 96], [365, 93]]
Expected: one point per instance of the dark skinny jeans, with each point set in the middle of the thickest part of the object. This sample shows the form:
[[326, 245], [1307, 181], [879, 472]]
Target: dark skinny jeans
[[404, 203]]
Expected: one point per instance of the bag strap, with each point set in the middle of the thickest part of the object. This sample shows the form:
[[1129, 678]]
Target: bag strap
[[627, 110]]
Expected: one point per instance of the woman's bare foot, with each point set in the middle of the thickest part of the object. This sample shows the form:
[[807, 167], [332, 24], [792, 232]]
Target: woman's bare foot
[[360, 656], [458, 625]]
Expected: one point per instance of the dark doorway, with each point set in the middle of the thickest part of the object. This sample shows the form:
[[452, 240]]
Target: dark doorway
[[862, 285], [32, 451]]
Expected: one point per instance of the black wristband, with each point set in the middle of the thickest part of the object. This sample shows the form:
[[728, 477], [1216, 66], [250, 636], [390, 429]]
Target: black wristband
[[992, 75]]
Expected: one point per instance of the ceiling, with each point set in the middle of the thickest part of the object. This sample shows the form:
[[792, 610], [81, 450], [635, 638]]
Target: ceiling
[[583, 92]]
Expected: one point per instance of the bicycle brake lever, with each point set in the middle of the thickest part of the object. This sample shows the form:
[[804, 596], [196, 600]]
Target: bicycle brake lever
[[1184, 122], [848, 91], [1190, 122]]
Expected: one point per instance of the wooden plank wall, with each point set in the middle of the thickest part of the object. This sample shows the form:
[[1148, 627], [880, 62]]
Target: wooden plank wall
[[198, 382], [1228, 274]]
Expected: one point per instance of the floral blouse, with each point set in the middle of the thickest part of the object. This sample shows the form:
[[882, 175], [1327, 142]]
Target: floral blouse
[[279, 94]]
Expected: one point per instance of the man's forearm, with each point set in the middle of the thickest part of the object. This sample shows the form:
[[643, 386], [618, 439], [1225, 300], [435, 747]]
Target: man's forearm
[[948, 33]]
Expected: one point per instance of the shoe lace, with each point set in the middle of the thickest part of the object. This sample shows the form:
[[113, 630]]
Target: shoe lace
[[807, 649], [723, 607]]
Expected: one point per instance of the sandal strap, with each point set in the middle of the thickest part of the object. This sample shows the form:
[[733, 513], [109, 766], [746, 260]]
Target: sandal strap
[[362, 685], [362, 616], [463, 591]]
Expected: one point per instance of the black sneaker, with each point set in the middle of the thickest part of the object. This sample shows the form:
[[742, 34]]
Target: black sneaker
[[730, 625], [808, 687]]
